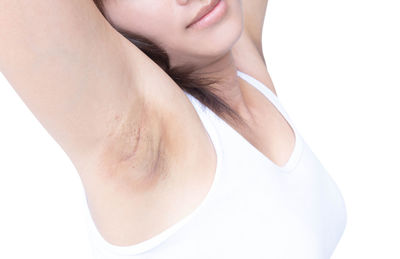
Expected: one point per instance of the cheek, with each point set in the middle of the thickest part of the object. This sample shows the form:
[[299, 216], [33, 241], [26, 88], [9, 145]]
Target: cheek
[[144, 17], [160, 30], [163, 33], [156, 25]]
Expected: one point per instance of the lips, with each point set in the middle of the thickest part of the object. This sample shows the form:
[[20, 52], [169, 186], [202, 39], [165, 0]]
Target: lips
[[204, 11]]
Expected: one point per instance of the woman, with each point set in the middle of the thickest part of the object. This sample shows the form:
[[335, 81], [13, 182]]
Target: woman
[[168, 113]]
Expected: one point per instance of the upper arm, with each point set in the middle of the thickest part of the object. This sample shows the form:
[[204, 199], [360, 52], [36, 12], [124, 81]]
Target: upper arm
[[254, 13], [74, 72]]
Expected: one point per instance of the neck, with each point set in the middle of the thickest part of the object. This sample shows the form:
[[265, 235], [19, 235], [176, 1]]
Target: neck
[[230, 87]]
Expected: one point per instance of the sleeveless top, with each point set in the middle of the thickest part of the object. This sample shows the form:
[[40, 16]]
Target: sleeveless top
[[254, 208]]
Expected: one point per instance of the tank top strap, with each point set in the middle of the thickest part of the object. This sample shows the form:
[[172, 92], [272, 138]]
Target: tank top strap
[[267, 93], [207, 117], [98, 240]]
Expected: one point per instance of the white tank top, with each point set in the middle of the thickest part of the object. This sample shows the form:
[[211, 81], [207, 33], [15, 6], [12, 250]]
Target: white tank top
[[254, 208]]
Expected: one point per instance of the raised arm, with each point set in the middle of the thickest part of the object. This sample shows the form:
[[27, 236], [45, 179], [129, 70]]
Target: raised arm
[[74, 72], [254, 15]]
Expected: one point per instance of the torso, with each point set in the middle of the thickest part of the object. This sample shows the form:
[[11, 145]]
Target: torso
[[190, 165]]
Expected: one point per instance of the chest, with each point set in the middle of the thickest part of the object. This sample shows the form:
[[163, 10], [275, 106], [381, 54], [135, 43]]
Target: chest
[[293, 214], [257, 211]]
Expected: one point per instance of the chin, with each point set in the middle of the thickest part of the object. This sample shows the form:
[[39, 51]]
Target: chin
[[222, 38], [214, 42], [222, 42]]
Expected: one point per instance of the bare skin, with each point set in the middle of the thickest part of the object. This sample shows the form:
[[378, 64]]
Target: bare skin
[[137, 153], [187, 179]]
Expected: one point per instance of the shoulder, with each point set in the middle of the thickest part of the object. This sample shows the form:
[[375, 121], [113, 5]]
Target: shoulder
[[250, 60]]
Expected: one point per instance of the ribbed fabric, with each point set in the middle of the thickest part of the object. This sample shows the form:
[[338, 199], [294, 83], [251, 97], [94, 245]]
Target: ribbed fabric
[[254, 209]]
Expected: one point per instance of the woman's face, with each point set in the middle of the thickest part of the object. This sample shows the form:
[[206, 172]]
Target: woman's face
[[165, 23]]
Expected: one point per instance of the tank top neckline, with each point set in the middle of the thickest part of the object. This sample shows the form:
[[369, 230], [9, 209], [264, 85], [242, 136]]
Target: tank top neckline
[[294, 156], [208, 118]]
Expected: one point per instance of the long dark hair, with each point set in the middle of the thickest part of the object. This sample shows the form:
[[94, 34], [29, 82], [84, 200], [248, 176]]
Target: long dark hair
[[184, 76]]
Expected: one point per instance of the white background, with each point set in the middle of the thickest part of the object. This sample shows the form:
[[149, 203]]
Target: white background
[[336, 68]]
